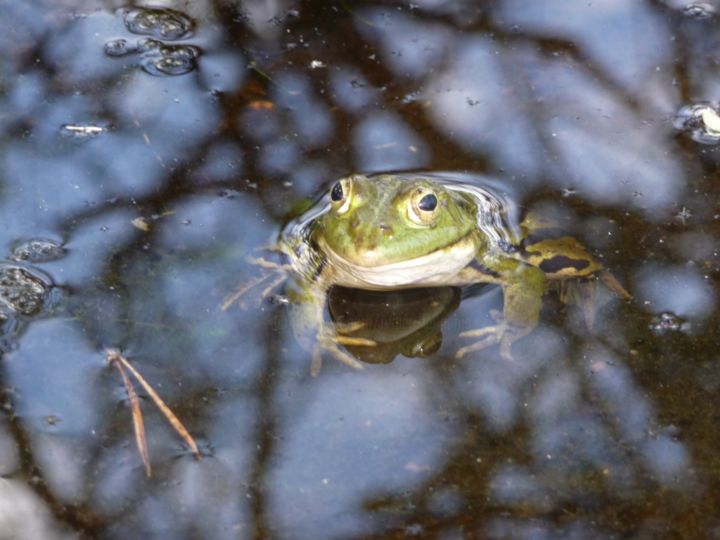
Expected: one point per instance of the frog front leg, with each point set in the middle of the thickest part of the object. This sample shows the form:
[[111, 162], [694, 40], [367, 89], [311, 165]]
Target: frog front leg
[[307, 315], [523, 287]]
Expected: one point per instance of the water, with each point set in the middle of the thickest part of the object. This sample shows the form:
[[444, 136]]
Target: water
[[147, 153]]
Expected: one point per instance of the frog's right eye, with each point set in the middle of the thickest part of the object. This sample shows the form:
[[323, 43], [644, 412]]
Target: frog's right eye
[[340, 194]]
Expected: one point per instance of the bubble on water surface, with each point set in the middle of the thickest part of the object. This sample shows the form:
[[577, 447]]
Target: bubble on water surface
[[170, 60], [21, 290], [159, 22], [37, 250], [701, 121], [149, 45], [117, 47], [699, 10]]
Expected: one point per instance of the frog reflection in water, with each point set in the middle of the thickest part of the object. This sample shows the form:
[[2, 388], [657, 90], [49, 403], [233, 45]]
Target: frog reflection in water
[[387, 232]]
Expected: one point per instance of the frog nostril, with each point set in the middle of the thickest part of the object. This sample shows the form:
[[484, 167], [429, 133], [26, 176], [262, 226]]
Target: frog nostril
[[385, 228]]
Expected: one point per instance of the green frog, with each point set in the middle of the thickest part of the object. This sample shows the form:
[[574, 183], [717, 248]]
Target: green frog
[[387, 232]]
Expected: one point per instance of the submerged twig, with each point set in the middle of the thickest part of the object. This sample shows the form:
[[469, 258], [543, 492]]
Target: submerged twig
[[114, 357]]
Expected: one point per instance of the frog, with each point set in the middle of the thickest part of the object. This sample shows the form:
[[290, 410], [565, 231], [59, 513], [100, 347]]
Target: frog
[[391, 231]]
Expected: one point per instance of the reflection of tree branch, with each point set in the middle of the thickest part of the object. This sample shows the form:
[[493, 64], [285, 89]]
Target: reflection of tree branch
[[347, 38], [80, 518], [266, 428], [462, 470], [546, 45]]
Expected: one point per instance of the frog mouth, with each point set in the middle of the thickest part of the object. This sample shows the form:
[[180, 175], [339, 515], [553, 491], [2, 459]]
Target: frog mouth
[[440, 267]]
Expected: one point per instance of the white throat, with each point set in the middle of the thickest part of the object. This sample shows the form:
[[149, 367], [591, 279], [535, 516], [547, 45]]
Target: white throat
[[435, 269]]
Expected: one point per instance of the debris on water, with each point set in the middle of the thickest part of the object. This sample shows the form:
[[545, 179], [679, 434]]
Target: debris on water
[[82, 131], [162, 23], [37, 250], [411, 97], [683, 215], [141, 223], [260, 105], [317, 64], [278, 300], [701, 121], [414, 529], [712, 121], [699, 10], [115, 358], [668, 322]]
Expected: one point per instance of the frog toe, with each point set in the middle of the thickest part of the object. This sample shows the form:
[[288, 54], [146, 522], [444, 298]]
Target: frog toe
[[503, 334], [491, 338], [330, 343], [480, 332]]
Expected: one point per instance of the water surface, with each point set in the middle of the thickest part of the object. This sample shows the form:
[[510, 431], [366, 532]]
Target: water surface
[[146, 153]]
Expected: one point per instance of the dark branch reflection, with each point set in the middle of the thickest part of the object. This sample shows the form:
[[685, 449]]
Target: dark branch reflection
[[168, 183]]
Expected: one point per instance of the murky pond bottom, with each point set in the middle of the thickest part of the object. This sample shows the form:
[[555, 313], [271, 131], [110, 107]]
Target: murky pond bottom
[[151, 155]]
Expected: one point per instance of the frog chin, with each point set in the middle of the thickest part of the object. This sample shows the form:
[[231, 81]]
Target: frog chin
[[440, 267]]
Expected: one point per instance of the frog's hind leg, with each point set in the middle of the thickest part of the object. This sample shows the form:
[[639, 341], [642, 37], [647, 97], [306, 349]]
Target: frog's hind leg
[[612, 283]]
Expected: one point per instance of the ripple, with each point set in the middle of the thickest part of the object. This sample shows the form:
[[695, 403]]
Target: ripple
[[701, 121], [159, 22]]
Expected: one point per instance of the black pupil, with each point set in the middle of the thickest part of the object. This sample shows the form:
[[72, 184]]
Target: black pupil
[[428, 203], [336, 194]]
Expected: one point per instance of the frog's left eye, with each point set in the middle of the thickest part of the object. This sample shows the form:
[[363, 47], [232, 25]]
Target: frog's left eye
[[340, 194], [422, 209]]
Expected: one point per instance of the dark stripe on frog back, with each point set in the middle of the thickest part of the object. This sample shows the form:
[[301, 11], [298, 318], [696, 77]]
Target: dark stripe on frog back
[[481, 268], [562, 262]]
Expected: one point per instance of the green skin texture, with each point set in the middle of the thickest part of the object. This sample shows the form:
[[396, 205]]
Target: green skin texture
[[385, 200], [375, 229]]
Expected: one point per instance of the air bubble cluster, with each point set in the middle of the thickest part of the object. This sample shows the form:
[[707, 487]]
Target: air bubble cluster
[[157, 57], [22, 291], [37, 250]]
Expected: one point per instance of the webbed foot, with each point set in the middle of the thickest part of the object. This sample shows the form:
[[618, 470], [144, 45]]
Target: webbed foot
[[504, 334], [329, 342]]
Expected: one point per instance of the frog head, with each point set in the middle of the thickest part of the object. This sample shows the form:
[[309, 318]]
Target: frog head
[[386, 219]]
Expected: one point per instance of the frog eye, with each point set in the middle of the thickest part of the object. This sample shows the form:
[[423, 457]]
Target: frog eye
[[340, 194], [428, 203], [422, 207]]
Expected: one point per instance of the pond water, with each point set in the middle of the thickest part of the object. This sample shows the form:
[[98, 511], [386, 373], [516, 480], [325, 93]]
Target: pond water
[[148, 150]]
